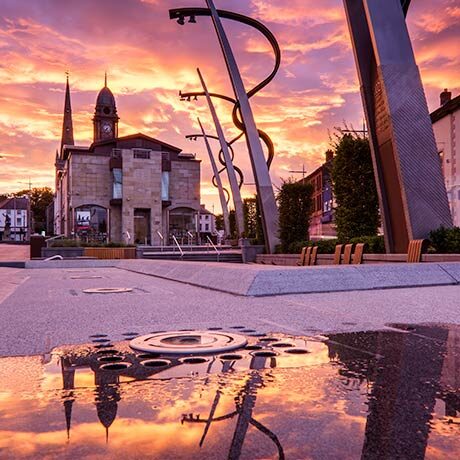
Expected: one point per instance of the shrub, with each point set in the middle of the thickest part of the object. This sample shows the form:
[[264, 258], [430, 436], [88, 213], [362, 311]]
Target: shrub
[[325, 246], [446, 240], [357, 207], [296, 247], [64, 243], [374, 244], [294, 201]]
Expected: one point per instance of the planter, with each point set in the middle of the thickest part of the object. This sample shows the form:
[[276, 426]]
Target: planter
[[66, 253], [110, 253]]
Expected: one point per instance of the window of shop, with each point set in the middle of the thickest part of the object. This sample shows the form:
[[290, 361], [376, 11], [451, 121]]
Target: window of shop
[[91, 223]]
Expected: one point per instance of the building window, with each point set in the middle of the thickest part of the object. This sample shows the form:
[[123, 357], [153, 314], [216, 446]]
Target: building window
[[91, 223], [117, 192], [206, 227], [141, 154], [165, 185]]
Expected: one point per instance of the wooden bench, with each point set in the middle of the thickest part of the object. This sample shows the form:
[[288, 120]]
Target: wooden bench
[[338, 254], [347, 252], [308, 256], [345, 255], [314, 255], [415, 250], [358, 254], [304, 255]]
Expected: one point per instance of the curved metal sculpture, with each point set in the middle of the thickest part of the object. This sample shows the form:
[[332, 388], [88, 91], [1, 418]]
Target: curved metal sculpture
[[412, 193], [180, 14], [224, 196], [194, 137], [242, 113], [405, 5], [232, 179]]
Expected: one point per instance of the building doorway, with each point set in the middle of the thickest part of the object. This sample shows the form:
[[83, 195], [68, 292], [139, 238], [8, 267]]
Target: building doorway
[[142, 226]]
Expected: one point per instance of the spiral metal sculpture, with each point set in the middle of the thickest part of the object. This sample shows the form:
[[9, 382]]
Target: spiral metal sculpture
[[180, 14], [194, 137]]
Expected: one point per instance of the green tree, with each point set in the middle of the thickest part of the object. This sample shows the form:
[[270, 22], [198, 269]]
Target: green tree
[[219, 221], [355, 193], [40, 199], [252, 220], [295, 203]]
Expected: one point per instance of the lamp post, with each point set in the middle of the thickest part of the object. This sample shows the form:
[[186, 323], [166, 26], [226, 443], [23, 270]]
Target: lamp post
[[218, 181], [265, 194]]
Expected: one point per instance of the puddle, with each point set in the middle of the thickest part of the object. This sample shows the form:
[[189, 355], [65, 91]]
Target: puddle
[[369, 395]]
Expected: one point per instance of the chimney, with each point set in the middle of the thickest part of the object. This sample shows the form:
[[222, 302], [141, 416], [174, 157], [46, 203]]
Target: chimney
[[445, 97], [329, 155]]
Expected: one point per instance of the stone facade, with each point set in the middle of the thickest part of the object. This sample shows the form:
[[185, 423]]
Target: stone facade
[[131, 189], [446, 126]]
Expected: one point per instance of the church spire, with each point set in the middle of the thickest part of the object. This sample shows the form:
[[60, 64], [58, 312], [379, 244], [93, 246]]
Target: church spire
[[105, 80], [67, 126]]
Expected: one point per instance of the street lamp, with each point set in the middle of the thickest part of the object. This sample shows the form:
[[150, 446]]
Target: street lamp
[[247, 124]]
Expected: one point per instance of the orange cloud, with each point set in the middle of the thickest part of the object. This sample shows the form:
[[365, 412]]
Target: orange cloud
[[150, 58]]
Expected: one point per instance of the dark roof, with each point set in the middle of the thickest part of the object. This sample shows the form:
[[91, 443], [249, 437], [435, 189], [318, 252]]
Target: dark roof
[[15, 203], [105, 97], [446, 109], [134, 137]]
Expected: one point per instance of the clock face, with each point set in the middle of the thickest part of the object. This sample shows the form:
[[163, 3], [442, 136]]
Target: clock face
[[107, 128]]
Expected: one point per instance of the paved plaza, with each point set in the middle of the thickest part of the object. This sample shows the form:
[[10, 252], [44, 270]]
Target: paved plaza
[[44, 308]]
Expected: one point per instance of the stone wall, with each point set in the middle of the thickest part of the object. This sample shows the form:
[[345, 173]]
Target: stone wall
[[90, 181], [141, 189]]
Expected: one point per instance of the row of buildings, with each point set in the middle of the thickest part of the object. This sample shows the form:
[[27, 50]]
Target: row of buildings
[[14, 218], [446, 127], [129, 189]]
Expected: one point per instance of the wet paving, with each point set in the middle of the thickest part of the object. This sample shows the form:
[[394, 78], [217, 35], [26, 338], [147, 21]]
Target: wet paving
[[390, 394]]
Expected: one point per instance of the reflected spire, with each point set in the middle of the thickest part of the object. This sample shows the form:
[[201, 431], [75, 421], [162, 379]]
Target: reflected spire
[[105, 79]]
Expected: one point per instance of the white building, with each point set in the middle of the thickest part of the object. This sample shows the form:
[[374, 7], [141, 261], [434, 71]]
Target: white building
[[207, 222], [14, 212], [446, 127]]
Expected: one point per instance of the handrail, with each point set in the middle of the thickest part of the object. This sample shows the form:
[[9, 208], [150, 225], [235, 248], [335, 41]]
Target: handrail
[[53, 238], [162, 240], [190, 239], [214, 246], [55, 257], [178, 245]]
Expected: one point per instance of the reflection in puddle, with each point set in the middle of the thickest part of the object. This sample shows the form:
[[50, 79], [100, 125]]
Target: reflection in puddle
[[369, 395]]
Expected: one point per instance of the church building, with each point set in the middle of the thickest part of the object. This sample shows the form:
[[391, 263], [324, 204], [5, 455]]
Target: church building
[[129, 189]]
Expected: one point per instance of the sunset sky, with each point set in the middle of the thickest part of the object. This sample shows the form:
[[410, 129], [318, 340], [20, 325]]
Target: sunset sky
[[150, 58]]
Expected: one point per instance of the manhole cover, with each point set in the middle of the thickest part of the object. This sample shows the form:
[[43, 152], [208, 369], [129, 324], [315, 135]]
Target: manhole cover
[[188, 342], [107, 290]]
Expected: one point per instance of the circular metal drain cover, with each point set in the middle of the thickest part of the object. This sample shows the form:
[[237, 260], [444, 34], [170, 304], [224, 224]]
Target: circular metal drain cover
[[188, 342], [107, 290]]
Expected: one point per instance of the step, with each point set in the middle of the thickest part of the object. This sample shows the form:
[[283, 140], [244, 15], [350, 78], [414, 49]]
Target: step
[[201, 257]]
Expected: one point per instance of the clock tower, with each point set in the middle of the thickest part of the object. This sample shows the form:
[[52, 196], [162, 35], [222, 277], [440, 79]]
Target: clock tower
[[105, 119]]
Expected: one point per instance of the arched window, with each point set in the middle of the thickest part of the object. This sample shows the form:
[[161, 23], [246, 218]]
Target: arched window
[[91, 223]]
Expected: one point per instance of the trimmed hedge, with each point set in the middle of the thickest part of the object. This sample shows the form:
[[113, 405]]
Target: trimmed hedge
[[69, 243], [445, 240], [374, 245]]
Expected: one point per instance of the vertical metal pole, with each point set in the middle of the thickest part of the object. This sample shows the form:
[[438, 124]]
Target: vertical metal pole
[[223, 201], [238, 202], [262, 179]]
